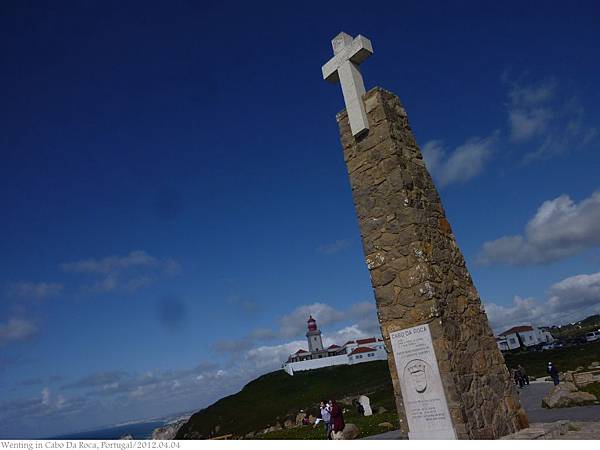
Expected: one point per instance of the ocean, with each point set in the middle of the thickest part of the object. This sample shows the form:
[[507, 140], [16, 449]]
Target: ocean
[[139, 430]]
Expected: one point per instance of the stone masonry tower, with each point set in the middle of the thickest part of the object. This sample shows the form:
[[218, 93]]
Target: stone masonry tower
[[315, 343], [449, 377]]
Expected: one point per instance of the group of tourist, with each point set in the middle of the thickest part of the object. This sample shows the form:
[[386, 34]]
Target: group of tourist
[[519, 376], [332, 417], [521, 379]]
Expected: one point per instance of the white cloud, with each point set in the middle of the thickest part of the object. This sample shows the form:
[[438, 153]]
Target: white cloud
[[529, 112], [46, 396], [522, 311], [531, 96], [99, 379], [525, 125], [569, 300], [131, 272], [559, 229], [539, 116], [37, 291], [466, 161], [39, 410], [266, 358], [576, 292], [349, 333], [16, 330]]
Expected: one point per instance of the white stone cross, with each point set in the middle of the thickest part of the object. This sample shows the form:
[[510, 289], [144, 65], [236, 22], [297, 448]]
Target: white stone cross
[[343, 67]]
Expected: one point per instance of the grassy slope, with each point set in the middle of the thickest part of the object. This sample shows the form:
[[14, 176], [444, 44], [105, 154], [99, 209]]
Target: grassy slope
[[566, 358], [276, 396]]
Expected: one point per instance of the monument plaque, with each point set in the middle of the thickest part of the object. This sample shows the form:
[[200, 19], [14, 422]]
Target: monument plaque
[[421, 385]]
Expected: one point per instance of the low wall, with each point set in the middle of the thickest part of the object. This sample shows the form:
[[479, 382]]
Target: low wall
[[584, 378], [380, 355], [309, 364]]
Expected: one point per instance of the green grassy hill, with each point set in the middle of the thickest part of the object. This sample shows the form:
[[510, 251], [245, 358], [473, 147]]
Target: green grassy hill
[[276, 396]]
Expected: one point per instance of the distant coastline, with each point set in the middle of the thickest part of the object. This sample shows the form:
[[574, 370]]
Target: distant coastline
[[139, 429]]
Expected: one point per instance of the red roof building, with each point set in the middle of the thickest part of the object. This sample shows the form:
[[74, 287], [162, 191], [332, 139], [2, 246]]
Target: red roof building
[[519, 329], [362, 350]]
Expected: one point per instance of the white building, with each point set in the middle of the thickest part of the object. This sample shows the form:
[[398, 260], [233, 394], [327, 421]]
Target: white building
[[523, 335], [352, 352]]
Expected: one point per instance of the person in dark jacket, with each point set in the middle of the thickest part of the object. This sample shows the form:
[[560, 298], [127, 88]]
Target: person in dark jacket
[[523, 374], [553, 372], [360, 410], [337, 417], [518, 378]]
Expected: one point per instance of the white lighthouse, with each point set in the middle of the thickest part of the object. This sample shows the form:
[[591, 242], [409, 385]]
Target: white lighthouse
[[315, 343], [352, 352]]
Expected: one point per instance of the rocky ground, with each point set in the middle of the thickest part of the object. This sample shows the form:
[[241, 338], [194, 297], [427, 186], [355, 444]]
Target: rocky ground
[[582, 430], [531, 399], [169, 431], [560, 430], [578, 422]]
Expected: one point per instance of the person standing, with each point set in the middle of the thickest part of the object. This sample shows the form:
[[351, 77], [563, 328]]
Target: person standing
[[360, 410], [337, 417], [518, 378], [553, 372], [326, 416], [523, 375]]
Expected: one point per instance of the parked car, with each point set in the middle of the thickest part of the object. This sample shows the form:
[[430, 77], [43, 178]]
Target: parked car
[[592, 336], [553, 345]]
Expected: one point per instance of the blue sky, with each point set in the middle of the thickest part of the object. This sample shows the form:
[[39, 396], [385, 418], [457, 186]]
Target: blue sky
[[174, 201]]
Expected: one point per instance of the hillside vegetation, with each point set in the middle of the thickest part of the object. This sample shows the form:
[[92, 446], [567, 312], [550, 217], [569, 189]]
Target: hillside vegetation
[[276, 397], [577, 329]]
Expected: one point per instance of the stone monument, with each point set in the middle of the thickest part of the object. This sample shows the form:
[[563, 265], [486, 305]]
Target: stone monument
[[450, 379], [365, 402]]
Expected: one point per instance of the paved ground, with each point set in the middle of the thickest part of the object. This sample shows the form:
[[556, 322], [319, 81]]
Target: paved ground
[[388, 436], [531, 399]]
